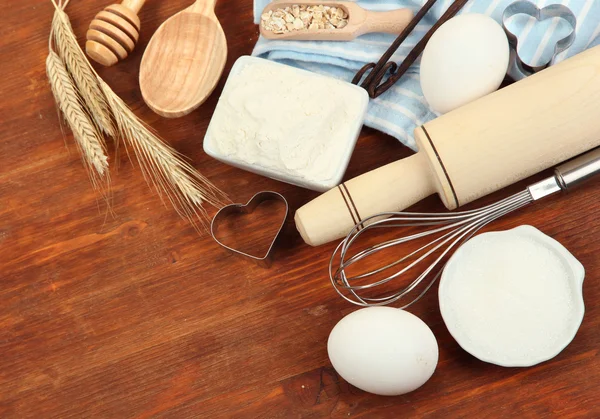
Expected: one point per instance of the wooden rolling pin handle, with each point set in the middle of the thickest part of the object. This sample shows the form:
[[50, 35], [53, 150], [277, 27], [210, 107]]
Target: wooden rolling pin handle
[[134, 5], [397, 185], [393, 21]]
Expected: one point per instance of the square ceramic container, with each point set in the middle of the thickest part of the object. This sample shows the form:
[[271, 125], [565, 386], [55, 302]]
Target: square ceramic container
[[217, 146]]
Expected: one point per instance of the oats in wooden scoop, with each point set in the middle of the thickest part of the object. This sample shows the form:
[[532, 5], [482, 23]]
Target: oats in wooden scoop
[[303, 17]]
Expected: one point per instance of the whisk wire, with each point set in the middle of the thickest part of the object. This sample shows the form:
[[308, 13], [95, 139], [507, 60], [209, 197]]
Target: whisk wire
[[394, 242], [454, 228]]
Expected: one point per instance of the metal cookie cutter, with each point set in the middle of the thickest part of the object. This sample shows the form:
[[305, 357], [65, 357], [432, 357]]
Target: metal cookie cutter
[[519, 69], [249, 208]]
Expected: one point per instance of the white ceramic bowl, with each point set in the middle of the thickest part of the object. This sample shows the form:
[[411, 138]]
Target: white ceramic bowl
[[477, 312], [356, 109]]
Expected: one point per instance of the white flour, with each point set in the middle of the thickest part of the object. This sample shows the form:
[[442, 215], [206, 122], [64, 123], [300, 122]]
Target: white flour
[[511, 297], [287, 121]]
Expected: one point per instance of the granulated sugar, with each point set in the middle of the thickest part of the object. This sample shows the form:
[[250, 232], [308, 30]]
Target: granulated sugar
[[512, 297]]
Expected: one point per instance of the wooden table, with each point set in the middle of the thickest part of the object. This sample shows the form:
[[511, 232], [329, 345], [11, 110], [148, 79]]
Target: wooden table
[[137, 316]]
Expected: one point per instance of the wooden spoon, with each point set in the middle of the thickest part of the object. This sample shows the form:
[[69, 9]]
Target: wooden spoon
[[360, 21], [183, 61]]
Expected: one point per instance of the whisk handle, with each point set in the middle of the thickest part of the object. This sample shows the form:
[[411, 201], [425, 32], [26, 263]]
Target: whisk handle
[[568, 175], [578, 170], [395, 186]]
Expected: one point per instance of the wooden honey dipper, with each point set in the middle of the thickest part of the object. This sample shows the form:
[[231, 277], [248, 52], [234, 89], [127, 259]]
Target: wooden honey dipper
[[114, 32]]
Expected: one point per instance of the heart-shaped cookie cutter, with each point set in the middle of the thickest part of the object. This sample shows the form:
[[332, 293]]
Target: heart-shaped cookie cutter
[[249, 208], [518, 68]]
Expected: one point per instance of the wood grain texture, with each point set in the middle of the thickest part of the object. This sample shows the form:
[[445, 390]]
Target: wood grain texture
[[137, 316], [114, 32], [360, 22], [184, 61]]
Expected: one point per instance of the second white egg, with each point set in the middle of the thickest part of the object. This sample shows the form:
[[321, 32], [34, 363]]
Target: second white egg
[[465, 59]]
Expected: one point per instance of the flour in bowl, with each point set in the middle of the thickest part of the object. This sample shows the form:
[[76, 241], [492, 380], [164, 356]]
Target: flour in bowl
[[287, 123]]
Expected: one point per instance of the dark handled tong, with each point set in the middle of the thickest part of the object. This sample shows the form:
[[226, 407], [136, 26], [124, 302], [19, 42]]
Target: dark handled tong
[[374, 83]]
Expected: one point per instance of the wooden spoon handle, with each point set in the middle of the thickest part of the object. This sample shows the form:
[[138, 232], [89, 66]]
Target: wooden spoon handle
[[203, 5], [134, 5], [393, 21]]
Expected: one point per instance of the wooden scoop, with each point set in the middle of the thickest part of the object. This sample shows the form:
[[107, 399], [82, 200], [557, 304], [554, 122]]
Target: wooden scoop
[[360, 21], [183, 61]]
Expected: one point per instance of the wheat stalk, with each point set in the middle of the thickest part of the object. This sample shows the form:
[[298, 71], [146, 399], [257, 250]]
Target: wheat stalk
[[81, 71], [85, 133], [162, 166]]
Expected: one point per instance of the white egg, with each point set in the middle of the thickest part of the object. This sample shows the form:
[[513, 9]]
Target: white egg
[[465, 59], [383, 350]]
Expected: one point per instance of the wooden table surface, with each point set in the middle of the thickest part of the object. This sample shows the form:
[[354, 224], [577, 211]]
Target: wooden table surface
[[136, 315]]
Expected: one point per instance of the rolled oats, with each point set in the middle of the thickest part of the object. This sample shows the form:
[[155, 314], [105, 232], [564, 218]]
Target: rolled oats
[[301, 17]]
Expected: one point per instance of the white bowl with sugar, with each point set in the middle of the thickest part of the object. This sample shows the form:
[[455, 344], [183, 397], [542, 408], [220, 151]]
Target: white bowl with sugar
[[286, 123], [512, 298]]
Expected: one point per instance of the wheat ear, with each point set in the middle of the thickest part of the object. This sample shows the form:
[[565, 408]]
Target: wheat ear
[[85, 133], [81, 71], [163, 166]]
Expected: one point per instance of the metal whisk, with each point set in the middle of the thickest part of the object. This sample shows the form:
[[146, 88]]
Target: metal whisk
[[454, 229]]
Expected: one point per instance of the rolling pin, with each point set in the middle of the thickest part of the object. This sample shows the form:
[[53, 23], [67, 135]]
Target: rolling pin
[[474, 150]]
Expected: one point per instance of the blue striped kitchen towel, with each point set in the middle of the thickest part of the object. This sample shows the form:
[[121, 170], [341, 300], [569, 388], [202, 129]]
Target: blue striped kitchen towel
[[401, 109]]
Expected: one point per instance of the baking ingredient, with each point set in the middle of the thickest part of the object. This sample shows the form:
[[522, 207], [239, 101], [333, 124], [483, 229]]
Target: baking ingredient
[[91, 107], [335, 21], [465, 59], [303, 17], [378, 81], [512, 298], [383, 350], [286, 123], [88, 139]]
